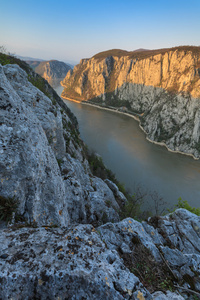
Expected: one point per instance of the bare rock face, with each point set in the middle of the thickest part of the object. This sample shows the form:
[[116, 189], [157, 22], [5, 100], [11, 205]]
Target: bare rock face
[[174, 238], [176, 69], [103, 263], [74, 263], [89, 198], [53, 71], [37, 167], [29, 170], [162, 88], [57, 253]]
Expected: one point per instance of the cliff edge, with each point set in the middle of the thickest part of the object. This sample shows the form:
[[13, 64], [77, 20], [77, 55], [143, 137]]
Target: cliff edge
[[65, 238], [161, 87]]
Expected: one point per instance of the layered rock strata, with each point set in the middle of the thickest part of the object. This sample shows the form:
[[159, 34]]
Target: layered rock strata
[[161, 87]]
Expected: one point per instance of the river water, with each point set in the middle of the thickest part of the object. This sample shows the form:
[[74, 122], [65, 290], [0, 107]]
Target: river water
[[134, 160]]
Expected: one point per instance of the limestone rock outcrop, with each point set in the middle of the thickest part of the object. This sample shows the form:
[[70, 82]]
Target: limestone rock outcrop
[[103, 263], [66, 240], [37, 142], [175, 69], [53, 71], [161, 87]]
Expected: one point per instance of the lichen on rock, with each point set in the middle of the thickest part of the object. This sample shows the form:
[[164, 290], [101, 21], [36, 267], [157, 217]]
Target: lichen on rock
[[68, 240], [37, 163]]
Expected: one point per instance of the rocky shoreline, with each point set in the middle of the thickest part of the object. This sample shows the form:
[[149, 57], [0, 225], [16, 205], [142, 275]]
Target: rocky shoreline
[[135, 118], [162, 87]]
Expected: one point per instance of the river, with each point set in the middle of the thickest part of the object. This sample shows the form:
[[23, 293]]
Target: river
[[134, 160]]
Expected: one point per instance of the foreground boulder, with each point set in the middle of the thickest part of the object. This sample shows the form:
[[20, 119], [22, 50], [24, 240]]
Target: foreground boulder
[[125, 260], [163, 251], [45, 263]]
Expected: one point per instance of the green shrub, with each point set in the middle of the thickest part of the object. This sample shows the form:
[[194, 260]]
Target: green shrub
[[39, 83], [8, 206], [131, 208], [7, 58], [4, 60], [185, 204]]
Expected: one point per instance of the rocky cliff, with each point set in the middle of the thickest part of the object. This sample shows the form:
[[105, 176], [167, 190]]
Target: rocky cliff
[[42, 158], [65, 239], [161, 87], [53, 71]]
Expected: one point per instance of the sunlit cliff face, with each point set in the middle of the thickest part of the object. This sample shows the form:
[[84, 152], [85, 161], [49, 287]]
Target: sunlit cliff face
[[162, 87], [176, 70]]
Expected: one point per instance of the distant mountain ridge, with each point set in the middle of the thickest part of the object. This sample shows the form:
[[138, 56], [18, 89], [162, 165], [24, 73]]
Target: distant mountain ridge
[[144, 53], [141, 49], [32, 59], [25, 58], [53, 71], [33, 63]]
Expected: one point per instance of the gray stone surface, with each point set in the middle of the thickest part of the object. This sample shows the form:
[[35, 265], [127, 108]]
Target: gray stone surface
[[123, 236], [89, 199], [81, 261], [48, 114], [42, 164], [28, 167], [46, 263], [180, 237], [168, 296], [119, 196], [167, 118], [37, 166]]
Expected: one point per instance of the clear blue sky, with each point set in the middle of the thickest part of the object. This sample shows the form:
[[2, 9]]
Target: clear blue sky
[[71, 30]]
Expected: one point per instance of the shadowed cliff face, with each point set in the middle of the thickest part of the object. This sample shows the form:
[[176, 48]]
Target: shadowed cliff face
[[162, 88], [53, 71]]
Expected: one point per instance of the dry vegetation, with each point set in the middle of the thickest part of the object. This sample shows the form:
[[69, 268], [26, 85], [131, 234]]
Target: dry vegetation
[[145, 53]]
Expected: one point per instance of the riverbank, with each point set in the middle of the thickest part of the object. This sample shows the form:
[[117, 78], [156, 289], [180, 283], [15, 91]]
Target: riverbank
[[70, 99], [112, 109], [135, 117], [136, 162], [130, 114], [164, 145]]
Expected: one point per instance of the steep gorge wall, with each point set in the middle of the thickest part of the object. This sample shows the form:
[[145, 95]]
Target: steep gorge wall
[[42, 159], [53, 71], [163, 89], [176, 70], [58, 254]]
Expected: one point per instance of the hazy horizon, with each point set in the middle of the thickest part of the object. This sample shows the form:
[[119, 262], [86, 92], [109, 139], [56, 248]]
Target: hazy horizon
[[72, 30]]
